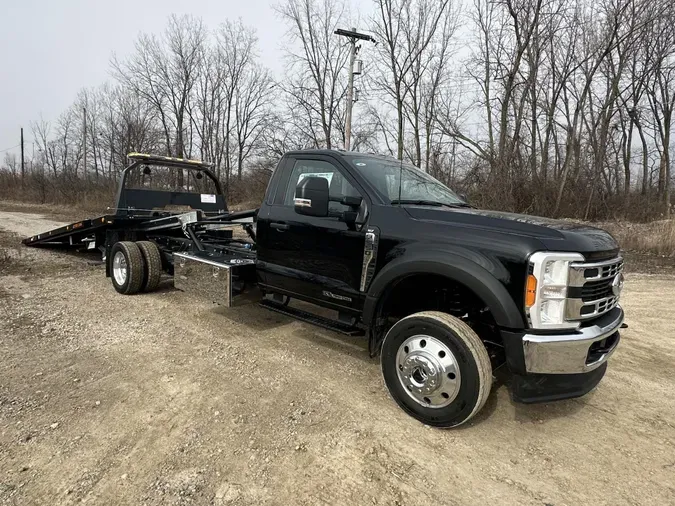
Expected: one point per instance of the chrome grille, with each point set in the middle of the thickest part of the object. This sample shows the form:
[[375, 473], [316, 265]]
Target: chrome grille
[[591, 290], [594, 290], [581, 273]]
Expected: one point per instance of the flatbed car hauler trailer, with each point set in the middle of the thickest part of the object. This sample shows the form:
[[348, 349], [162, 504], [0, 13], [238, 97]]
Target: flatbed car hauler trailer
[[145, 233], [445, 293]]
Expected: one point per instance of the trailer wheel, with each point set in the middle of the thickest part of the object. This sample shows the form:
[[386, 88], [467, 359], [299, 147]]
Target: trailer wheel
[[436, 368], [127, 267], [153, 264]]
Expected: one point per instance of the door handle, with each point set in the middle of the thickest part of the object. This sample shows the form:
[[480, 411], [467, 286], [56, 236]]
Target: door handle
[[279, 226]]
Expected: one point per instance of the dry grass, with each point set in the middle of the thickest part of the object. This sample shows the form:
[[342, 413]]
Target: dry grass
[[657, 237], [9, 252], [5, 258]]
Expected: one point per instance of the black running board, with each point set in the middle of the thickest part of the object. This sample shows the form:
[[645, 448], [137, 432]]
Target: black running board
[[308, 317]]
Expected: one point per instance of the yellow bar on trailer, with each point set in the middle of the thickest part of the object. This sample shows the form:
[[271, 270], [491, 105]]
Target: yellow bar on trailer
[[145, 156]]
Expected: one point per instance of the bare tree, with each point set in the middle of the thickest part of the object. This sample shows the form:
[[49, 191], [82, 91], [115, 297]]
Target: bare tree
[[252, 113], [236, 44], [164, 71], [10, 164], [406, 29], [316, 61], [661, 97]]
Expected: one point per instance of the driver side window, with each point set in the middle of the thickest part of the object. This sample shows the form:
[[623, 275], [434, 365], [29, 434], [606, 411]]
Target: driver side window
[[338, 186]]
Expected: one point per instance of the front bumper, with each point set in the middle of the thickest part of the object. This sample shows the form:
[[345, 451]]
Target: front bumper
[[579, 352], [549, 367]]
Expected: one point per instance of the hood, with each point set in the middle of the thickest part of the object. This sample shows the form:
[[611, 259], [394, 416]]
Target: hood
[[556, 235]]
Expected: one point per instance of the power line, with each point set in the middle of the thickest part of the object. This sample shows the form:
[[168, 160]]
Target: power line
[[7, 149]]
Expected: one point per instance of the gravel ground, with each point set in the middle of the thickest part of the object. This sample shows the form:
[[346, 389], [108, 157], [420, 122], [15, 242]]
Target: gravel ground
[[163, 399]]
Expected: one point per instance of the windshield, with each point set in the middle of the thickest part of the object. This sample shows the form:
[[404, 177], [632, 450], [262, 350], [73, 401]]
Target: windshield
[[416, 186]]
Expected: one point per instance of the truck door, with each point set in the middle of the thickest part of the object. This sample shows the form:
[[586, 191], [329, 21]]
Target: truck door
[[318, 259]]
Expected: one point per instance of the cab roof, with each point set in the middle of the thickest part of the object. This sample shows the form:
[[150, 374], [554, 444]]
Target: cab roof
[[342, 153]]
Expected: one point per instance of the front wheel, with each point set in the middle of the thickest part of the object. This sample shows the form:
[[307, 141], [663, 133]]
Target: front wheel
[[436, 368]]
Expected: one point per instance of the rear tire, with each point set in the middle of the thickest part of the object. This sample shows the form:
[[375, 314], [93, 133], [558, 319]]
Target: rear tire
[[127, 267], [436, 368], [153, 265]]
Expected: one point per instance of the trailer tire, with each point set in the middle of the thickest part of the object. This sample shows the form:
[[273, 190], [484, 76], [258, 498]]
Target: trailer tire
[[153, 265], [436, 368], [127, 268]]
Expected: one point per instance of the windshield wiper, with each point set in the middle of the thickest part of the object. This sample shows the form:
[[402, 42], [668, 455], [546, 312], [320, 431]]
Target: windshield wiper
[[421, 202]]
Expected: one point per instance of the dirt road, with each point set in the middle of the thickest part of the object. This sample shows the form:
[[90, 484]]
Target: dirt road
[[162, 399]]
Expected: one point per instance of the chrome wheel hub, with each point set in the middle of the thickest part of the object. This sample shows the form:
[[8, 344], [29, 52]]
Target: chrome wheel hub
[[120, 268], [428, 371]]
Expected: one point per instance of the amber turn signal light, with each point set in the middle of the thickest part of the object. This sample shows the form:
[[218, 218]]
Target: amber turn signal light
[[530, 291]]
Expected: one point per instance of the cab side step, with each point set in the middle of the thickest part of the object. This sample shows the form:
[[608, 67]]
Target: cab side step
[[317, 320]]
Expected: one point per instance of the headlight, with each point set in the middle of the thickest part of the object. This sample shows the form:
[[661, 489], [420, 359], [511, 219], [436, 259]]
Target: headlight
[[546, 289]]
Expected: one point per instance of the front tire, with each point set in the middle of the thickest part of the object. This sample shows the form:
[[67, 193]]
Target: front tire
[[436, 368], [127, 267]]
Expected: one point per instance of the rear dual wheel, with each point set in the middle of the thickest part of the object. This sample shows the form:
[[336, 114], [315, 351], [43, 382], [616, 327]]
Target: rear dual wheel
[[135, 266], [436, 368], [153, 265]]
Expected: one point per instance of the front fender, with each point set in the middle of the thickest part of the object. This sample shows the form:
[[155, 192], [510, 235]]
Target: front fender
[[457, 268]]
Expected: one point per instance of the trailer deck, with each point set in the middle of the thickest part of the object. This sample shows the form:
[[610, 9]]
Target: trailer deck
[[76, 234], [192, 222]]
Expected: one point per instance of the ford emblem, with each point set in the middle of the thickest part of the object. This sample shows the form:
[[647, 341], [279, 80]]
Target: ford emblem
[[617, 284]]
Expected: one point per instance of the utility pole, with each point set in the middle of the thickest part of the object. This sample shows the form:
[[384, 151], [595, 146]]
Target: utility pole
[[350, 94], [23, 165], [353, 36], [84, 141]]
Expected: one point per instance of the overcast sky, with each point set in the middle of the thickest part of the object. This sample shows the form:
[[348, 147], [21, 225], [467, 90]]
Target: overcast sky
[[50, 49]]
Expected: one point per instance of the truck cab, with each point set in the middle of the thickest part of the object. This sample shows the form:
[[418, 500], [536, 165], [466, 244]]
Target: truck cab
[[446, 292]]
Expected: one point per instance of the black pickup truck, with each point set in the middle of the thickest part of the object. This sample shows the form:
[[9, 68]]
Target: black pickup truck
[[444, 293]]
